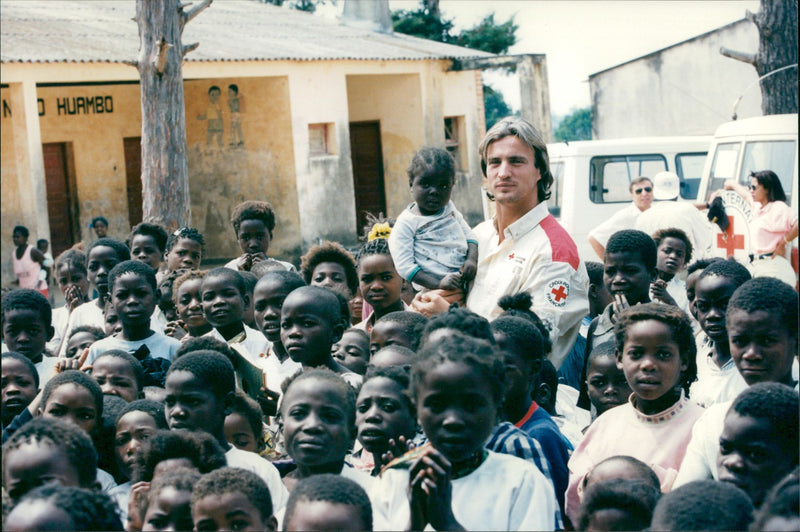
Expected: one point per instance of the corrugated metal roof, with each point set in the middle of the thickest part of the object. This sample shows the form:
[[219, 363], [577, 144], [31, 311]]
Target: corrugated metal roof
[[56, 31]]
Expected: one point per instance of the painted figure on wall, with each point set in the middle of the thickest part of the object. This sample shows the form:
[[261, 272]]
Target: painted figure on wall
[[236, 117], [214, 116]]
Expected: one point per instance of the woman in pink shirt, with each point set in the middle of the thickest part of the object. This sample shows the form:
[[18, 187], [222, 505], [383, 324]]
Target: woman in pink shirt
[[773, 226]]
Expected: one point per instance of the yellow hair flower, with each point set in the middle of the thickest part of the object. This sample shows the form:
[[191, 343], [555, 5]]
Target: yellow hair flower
[[381, 230]]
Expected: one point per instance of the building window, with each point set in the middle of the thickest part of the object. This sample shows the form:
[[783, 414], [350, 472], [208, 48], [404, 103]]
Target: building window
[[453, 135], [319, 142]]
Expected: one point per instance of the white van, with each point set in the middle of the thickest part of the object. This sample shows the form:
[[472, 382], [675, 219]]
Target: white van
[[593, 177], [741, 147]]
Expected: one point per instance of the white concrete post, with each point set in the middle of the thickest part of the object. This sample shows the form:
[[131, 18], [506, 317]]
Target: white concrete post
[[30, 159]]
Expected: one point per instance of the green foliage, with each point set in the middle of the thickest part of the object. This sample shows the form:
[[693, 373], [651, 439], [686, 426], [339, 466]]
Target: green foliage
[[487, 35], [576, 126], [301, 5], [425, 23], [495, 106], [422, 23], [490, 36]]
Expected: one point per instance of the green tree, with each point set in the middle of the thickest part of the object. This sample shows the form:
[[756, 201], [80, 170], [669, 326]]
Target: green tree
[[301, 5], [495, 106], [427, 22], [490, 36], [424, 23], [575, 126]]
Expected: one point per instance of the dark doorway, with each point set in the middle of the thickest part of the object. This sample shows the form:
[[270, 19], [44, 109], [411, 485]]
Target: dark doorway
[[367, 155], [61, 205], [133, 178]]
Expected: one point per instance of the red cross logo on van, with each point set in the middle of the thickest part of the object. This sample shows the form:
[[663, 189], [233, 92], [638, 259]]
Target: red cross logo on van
[[729, 241]]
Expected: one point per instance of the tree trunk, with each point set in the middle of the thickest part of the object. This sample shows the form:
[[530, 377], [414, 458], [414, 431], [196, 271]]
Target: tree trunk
[[165, 172], [777, 29]]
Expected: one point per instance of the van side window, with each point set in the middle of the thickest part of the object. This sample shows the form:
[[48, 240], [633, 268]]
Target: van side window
[[611, 175], [689, 167]]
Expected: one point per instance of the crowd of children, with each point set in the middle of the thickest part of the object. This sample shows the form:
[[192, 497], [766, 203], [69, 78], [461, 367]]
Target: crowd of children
[[261, 396]]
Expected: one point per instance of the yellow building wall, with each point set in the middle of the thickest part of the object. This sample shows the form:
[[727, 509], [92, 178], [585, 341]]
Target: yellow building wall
[[463, 98], [395, 101], [313, 195], [96, 139], [220, 177]]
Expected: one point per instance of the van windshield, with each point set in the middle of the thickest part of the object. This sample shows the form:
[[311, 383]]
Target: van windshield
[[775, 155]]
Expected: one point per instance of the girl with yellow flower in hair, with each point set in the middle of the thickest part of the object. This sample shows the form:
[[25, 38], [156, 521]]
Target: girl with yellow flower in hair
[[378, 281]]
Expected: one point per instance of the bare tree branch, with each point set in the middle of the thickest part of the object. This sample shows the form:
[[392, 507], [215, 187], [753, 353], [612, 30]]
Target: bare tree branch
[[750, 59], [161, 59], [188, 48], [193, 12]]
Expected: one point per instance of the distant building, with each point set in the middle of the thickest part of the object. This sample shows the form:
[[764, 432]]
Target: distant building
[[688, 88], [319, 118]]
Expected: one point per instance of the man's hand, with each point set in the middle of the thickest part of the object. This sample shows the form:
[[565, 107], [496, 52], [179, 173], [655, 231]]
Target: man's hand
[[436, 301]]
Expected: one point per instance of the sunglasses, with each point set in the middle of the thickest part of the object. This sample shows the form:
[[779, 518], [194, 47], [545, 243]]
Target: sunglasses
[[753, 187], [645, 189]]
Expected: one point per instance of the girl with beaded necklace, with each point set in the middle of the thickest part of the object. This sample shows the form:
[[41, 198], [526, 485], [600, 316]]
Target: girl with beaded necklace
[[656, 350]]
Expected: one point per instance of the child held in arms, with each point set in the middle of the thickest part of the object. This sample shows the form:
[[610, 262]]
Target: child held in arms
[[431, 244]]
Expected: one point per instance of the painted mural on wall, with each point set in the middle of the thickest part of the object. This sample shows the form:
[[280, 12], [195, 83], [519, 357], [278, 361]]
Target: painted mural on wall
[[224, 171], [215, 129]]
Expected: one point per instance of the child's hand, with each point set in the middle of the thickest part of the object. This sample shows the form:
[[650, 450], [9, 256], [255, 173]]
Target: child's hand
[[139, 492], [268, 400], [175, 329], [74, 297], [620, 304], [397, 448], [76, 362], [468, 271], [245, 262], [451, 281], [257, 257], [659, 289], [431, 492]]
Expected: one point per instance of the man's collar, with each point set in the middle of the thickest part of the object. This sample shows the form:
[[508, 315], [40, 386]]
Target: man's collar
[[527, 222]]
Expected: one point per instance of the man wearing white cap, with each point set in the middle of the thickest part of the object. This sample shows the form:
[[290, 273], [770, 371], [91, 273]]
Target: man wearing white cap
[[668, 213]]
